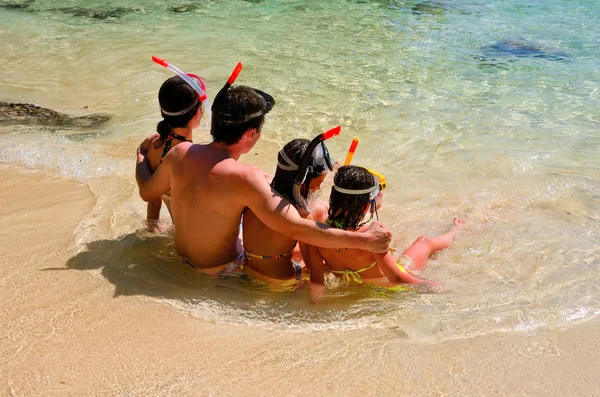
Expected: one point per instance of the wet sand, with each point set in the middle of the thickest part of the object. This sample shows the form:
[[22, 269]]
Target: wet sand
[[70, 328]]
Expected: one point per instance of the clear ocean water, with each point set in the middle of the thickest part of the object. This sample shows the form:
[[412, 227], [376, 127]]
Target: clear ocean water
[[487, 110]]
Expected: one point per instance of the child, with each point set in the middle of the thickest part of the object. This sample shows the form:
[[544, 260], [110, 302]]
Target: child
[[356, 193], [181, 110], [269, 255]]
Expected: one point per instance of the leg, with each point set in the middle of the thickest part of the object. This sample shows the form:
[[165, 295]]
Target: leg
[[153, 210], [423, 247], [153, 214]]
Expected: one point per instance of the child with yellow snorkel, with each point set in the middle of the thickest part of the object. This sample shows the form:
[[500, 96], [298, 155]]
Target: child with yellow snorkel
[[357, 193]]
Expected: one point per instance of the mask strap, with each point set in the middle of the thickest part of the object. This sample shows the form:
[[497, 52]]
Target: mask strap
[[181, 112], [355, 192], [291, 165]]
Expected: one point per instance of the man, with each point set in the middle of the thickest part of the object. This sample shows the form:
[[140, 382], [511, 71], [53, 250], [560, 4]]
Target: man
[[210, 190]]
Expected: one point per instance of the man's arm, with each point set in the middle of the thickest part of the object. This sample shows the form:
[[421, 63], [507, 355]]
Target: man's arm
[[151, 186], [278, 214]]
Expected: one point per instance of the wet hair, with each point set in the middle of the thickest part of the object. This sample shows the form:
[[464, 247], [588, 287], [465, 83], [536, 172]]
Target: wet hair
[[176, 95], [349, 209], [237, 103], [283, 181]]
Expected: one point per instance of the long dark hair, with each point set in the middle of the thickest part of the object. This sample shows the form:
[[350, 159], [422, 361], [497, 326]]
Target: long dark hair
[[176, 95], [283, 181], [348, 210]]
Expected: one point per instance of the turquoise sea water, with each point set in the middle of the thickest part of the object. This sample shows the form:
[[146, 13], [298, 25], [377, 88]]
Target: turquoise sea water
[[486, 110]]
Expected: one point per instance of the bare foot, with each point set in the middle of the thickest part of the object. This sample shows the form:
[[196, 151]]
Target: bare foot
[[443, 241], [457, 224]]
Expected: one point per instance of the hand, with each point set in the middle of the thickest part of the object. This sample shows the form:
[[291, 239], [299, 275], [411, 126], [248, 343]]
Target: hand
[[378, 238], [145, 145]]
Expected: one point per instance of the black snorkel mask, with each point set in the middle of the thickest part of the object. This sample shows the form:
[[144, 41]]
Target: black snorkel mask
[[268, 100], [308, 169]]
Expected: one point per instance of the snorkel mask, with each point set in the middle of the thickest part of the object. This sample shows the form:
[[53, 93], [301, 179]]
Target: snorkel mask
[[268, 100], [196, 82], [307, 169], [379, 184]]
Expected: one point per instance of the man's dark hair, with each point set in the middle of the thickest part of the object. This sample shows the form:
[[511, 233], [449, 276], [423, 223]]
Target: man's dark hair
[[348, 209], [227, 125]]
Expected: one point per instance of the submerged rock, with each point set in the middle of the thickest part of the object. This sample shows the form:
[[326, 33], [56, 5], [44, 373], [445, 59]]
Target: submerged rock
[[524, 49], [98, 13], [429, 7], [15, 6], [183, 7], [28, 114]]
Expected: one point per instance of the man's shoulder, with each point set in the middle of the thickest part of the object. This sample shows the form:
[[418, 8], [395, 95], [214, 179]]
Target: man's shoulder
[[234, 168], [178, 151]]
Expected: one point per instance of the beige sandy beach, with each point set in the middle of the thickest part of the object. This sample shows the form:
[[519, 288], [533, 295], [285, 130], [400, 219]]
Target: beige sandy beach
[[72, 329]]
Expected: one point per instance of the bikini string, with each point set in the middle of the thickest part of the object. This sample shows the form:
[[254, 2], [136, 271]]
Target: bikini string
[[169, 142]]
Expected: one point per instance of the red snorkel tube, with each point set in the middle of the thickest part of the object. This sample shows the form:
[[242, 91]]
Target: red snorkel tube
[[230, 81], [303, 167]]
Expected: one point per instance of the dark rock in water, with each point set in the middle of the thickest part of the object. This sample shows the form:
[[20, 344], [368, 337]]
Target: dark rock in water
[[524, 49], [429, 7], [28, 114], [15, 6], [184, 8], [96, 13]]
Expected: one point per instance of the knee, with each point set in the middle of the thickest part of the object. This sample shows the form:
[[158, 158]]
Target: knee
[[425, 240]]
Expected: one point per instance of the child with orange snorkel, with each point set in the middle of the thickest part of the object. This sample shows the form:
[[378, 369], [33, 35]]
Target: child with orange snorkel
[[301, 168], [357, 193]]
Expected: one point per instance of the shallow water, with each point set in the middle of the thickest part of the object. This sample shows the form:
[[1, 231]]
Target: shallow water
[[483, 110]]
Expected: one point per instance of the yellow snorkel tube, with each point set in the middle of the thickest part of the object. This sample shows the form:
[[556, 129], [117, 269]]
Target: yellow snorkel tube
[[380, 177]]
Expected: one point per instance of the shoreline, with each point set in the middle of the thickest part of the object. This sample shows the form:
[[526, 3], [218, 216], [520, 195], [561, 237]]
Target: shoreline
[[72, 333]]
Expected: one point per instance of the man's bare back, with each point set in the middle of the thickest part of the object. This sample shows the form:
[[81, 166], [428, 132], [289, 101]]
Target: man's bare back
[[207, 205]]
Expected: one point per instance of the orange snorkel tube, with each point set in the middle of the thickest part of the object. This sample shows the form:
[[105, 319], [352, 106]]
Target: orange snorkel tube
[[381, 179], [351, 151]]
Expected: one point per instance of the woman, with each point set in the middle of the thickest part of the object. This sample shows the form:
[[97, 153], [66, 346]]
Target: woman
[[181, 109]]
